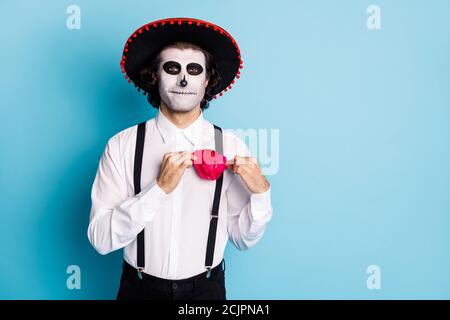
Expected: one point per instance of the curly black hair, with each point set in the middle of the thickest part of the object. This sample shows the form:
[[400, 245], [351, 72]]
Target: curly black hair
[[149, 76]]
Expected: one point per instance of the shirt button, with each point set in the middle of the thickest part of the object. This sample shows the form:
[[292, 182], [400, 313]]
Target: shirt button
[[175, 286]]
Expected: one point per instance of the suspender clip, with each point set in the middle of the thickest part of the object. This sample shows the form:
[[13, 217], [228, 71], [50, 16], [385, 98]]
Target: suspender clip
[[214, 216], [208, 273], [139, 272]]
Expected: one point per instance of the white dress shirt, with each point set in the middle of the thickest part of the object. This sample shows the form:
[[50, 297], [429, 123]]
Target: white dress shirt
[[176, 224]]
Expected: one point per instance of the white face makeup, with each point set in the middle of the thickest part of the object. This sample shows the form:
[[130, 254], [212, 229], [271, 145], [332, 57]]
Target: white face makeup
[[182, 78]]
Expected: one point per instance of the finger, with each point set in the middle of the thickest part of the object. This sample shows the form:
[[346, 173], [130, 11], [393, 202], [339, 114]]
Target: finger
[[235, 166], [249, 170], [188, 163], [247, 160], [243, 160], [245, 168], [230, 163], [173, 159], [185, 157], [179, 153], [166, 157], [188, 155], [252, 160]]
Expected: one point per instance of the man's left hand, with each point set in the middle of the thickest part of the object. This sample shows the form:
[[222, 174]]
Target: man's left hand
[[250, 172]]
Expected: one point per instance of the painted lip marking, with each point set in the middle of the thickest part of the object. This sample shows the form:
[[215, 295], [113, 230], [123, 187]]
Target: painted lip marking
[[181, 92]]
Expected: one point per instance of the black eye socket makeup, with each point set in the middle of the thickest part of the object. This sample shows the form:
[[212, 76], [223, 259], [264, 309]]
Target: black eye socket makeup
[[172, 67], [194, 69]]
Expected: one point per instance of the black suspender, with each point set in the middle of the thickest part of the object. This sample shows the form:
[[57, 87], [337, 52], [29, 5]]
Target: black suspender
[[140, 138], [215, 208], [137, 189]]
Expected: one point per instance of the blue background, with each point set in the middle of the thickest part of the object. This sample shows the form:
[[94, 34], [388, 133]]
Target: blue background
[[363, 116]]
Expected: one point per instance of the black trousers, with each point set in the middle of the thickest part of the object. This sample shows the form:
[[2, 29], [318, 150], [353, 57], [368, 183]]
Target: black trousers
[[153, 288]]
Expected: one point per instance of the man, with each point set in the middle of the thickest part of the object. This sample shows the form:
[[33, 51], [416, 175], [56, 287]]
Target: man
[[174, 231]]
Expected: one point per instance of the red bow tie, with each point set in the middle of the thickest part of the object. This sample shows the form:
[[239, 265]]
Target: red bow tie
[[209, 164]]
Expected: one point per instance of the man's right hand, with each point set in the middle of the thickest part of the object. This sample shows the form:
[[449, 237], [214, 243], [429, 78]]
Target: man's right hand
[[172, 169]]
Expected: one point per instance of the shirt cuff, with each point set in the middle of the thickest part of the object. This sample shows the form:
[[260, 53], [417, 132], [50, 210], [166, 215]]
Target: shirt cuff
[[261, 207], [153, 196]]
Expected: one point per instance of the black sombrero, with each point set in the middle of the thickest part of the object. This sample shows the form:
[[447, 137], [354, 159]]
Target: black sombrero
[[147, 41]]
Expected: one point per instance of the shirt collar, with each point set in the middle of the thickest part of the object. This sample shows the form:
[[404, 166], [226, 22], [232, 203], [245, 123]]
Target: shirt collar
[[168, 130]]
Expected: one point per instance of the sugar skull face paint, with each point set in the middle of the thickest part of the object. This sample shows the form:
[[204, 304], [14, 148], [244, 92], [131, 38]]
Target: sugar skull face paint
[[182, 78]]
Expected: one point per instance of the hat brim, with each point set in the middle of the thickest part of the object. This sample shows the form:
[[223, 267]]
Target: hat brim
[[146, 42]]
